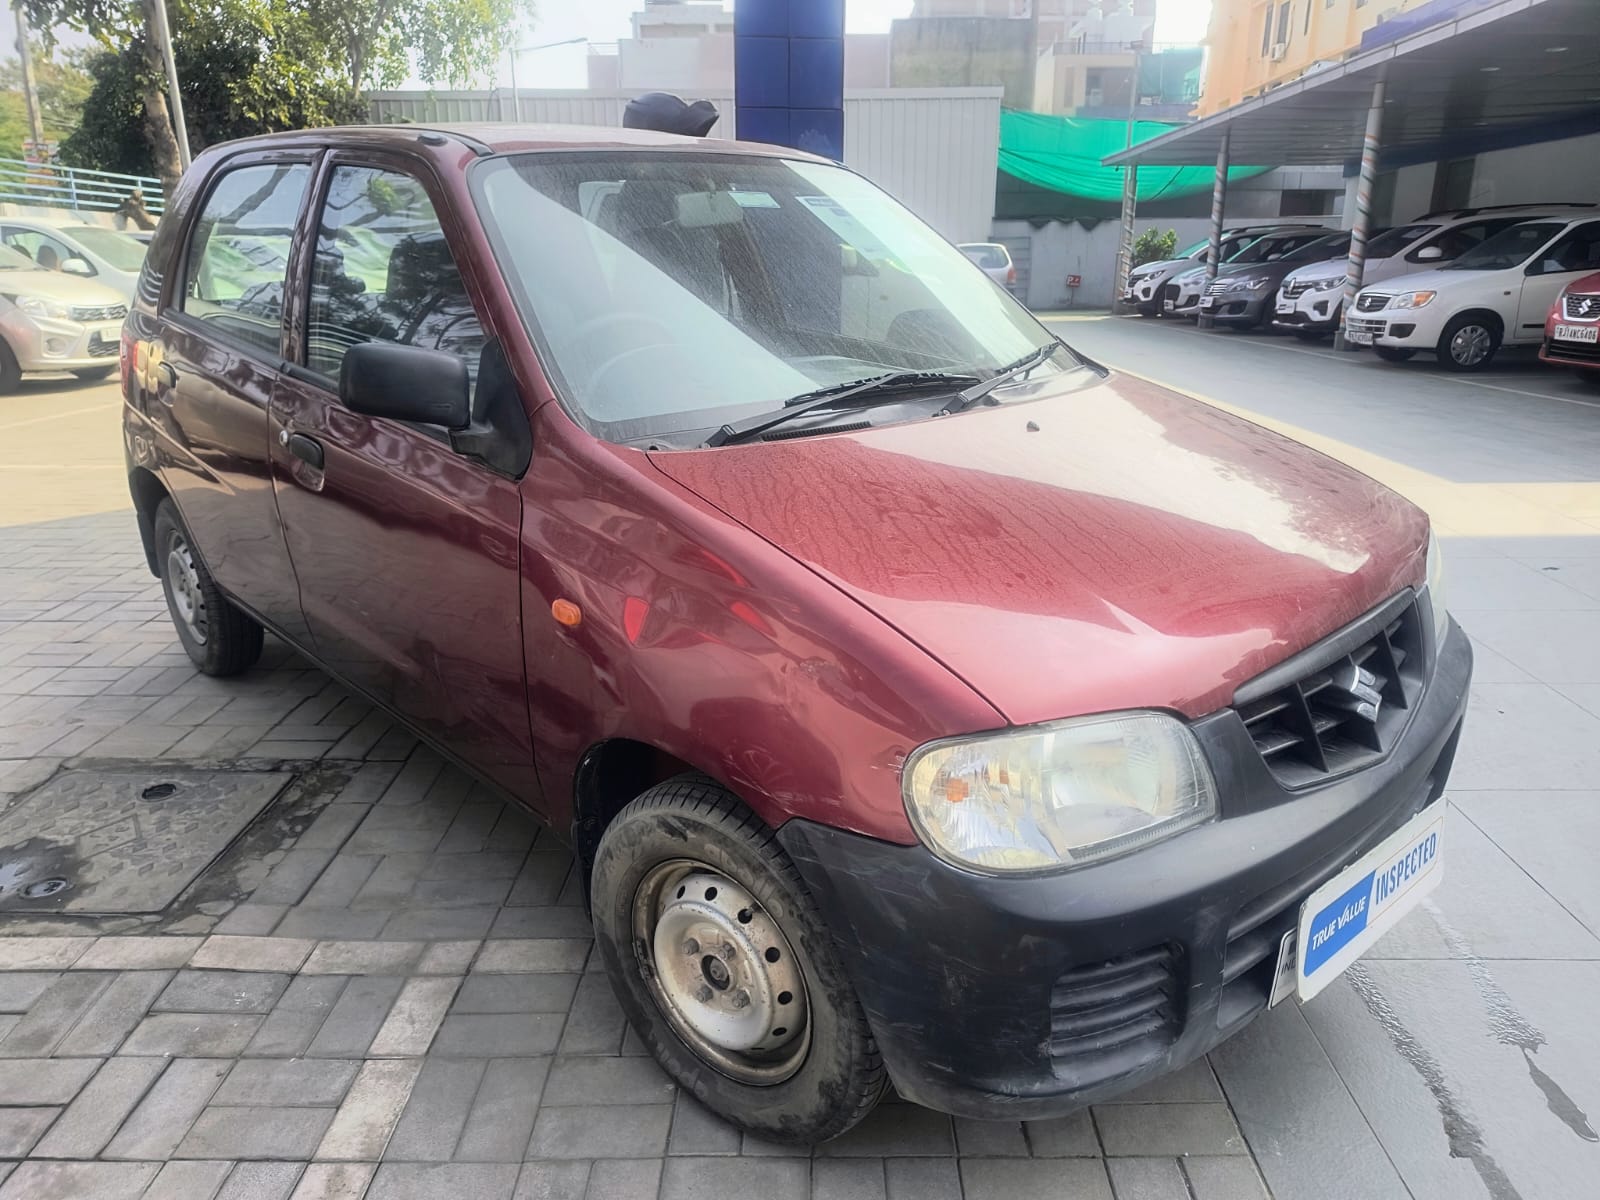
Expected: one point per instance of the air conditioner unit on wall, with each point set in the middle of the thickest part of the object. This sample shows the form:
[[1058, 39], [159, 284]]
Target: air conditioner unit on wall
[[1278, 51]]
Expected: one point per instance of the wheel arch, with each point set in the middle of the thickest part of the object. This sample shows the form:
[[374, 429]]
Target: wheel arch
[[610, 775], [148, 492], [1488, 314]]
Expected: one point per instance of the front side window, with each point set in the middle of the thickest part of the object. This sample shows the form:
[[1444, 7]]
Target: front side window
[[676, 291], [1578, 251], [239, 252], [1508, 248], [383, 272], [48, 253], [1391, 241]]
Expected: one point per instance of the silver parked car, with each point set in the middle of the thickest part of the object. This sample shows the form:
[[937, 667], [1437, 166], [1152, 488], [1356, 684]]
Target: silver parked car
[[107, 256], [54, 321], [994, 260]]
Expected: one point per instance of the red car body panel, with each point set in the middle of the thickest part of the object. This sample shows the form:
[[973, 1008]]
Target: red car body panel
[[1582, 356], [1135, 550]]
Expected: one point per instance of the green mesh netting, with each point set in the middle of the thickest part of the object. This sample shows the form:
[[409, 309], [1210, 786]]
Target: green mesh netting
[[1062, 154]]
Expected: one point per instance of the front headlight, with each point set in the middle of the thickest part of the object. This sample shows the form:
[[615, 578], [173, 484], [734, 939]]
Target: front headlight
[[1327, 285], [1251, 284], [1436, 601], [1412, 299], [42, 306], [1058, 795]]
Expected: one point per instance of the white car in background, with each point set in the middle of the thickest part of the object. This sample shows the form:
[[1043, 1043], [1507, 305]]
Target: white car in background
[[993, 259], [107, 256], [55, 321], [1310, 302], [1497, 293]]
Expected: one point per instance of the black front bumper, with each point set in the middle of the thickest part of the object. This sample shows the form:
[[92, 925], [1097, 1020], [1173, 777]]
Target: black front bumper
[[1016, 998], [1238, 310]]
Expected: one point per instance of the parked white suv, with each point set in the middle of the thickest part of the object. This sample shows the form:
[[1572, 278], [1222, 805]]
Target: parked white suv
[[1310, 302], [1181, 295], [1495, 294], [1147, 279]]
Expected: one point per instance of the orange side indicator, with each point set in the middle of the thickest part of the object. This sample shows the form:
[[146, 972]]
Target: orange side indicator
[[566, 612]]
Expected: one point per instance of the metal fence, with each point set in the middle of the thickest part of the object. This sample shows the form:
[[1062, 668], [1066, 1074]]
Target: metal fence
[[50, 186]]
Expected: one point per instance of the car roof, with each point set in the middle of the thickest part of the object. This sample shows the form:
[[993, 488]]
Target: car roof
[[1463, 214], [485, 138]]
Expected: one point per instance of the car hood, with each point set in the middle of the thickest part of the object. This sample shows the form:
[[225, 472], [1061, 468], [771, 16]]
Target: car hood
[[1164, 264], [55, 285], [1584, 285], [1086, 546], [1434, 281], [1333, 268]]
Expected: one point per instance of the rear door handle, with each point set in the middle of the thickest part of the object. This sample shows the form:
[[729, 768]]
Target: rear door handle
[[307, 449]]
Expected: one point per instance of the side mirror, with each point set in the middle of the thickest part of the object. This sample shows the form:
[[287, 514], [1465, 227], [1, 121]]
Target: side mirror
[[406, 383], [1428, 254], [77, 266]]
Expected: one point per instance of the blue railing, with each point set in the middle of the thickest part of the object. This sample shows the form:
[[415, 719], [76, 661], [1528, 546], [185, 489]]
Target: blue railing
[[72, 187]]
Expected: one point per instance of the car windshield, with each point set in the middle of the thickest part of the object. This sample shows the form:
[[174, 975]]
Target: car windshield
[[674, 292], [1268, 248], [15, 260], [1391, 241], [1508, 248], [124, 253], [1320, 250]]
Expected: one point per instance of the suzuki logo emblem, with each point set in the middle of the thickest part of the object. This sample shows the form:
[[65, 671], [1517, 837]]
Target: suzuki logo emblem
[[1362, 685]]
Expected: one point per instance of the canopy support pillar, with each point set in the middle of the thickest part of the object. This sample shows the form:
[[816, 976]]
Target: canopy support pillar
[[1356, 264], [1219, 195]]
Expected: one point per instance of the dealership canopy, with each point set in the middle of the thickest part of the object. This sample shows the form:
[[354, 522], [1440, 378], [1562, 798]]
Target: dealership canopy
[[1484, 74]]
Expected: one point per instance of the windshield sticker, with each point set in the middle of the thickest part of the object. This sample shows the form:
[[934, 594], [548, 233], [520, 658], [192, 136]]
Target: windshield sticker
[[753, 200]]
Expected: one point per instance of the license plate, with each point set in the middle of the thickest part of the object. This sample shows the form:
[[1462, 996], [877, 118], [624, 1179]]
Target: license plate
[[1207, 301], [1343, 918], [1169, 305], [1358, 337], [1578, 333], [1285, 306]]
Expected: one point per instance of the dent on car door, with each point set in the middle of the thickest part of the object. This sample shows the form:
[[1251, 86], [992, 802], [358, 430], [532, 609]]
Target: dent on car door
[[208, 375], [406, 551]]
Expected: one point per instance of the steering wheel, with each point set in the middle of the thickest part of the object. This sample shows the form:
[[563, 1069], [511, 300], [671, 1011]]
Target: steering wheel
[[667, 339]]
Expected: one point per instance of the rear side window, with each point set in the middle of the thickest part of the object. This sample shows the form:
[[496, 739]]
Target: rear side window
[[382, 272], [239, 252]]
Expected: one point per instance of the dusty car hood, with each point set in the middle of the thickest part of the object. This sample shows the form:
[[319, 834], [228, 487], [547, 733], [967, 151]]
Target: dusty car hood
[[57, 285], [1138, 550]]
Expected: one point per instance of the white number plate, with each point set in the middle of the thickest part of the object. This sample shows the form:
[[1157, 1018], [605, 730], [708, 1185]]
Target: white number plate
[[1343, 918], [1208, 301], [1578, 333], [1358, 337], [1285, 306], [1169, 305]]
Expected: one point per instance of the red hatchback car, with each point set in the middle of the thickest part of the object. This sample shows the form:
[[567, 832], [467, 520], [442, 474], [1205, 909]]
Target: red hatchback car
[[1572, 329], [924, 702]]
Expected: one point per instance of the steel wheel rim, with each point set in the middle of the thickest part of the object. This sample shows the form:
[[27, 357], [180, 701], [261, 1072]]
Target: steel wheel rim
[[722, 972], [1470, 345], [183, 589]]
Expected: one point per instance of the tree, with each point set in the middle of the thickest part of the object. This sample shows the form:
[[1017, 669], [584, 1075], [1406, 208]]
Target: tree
[[63, 88], [1154, 247], [251, 66]]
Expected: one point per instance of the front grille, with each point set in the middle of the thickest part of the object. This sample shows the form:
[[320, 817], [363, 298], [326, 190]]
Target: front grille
[[1355, 325], [1581, 305], [1217, 287], [1112, 1017], [1296, 287], [99, 348], [99, 312], [1341, 704], [1586, 352], [1371, 302]]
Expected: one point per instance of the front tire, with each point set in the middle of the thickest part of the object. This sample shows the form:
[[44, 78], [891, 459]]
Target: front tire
[[219, 639], [10, 372], [1468, 343], [1395, 353], [726, 970]]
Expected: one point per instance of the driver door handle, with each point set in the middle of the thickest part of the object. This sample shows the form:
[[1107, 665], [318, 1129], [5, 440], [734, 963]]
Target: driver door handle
[[307, 449]]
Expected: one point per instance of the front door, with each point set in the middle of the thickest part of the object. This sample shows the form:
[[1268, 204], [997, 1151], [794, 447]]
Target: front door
[[406, 552], [1571, 256], [208, 375]]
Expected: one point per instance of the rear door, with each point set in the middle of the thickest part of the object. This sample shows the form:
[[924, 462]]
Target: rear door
[[1574, 254], [406, 551], [211, 368]]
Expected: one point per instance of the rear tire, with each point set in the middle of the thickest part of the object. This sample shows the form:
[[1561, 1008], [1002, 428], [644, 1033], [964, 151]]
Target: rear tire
[[1395, 353], [757, 1019], [10, 373], [91, 374], [219, 639], [1469, 342]]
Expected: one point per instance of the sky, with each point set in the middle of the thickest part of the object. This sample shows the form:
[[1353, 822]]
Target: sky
[[607, 20]]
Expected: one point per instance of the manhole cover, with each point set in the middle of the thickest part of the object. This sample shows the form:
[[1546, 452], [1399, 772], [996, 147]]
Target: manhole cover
[[121, 841]]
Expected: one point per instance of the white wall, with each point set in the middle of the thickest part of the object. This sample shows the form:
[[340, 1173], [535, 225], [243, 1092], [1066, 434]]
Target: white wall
[[1063, 248], [933, 149], [1564, 171]]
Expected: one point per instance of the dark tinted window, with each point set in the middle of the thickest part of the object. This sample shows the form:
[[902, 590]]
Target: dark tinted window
[[1578, 251], [239, 251], [382, 272], [1391, 241], [1508, 248]]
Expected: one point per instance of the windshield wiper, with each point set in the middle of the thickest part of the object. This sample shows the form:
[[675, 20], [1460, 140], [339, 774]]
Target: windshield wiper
[[872, 390], [1004, 375]]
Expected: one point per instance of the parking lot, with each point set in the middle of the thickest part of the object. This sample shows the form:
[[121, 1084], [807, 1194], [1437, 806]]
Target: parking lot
[[343, 970]]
